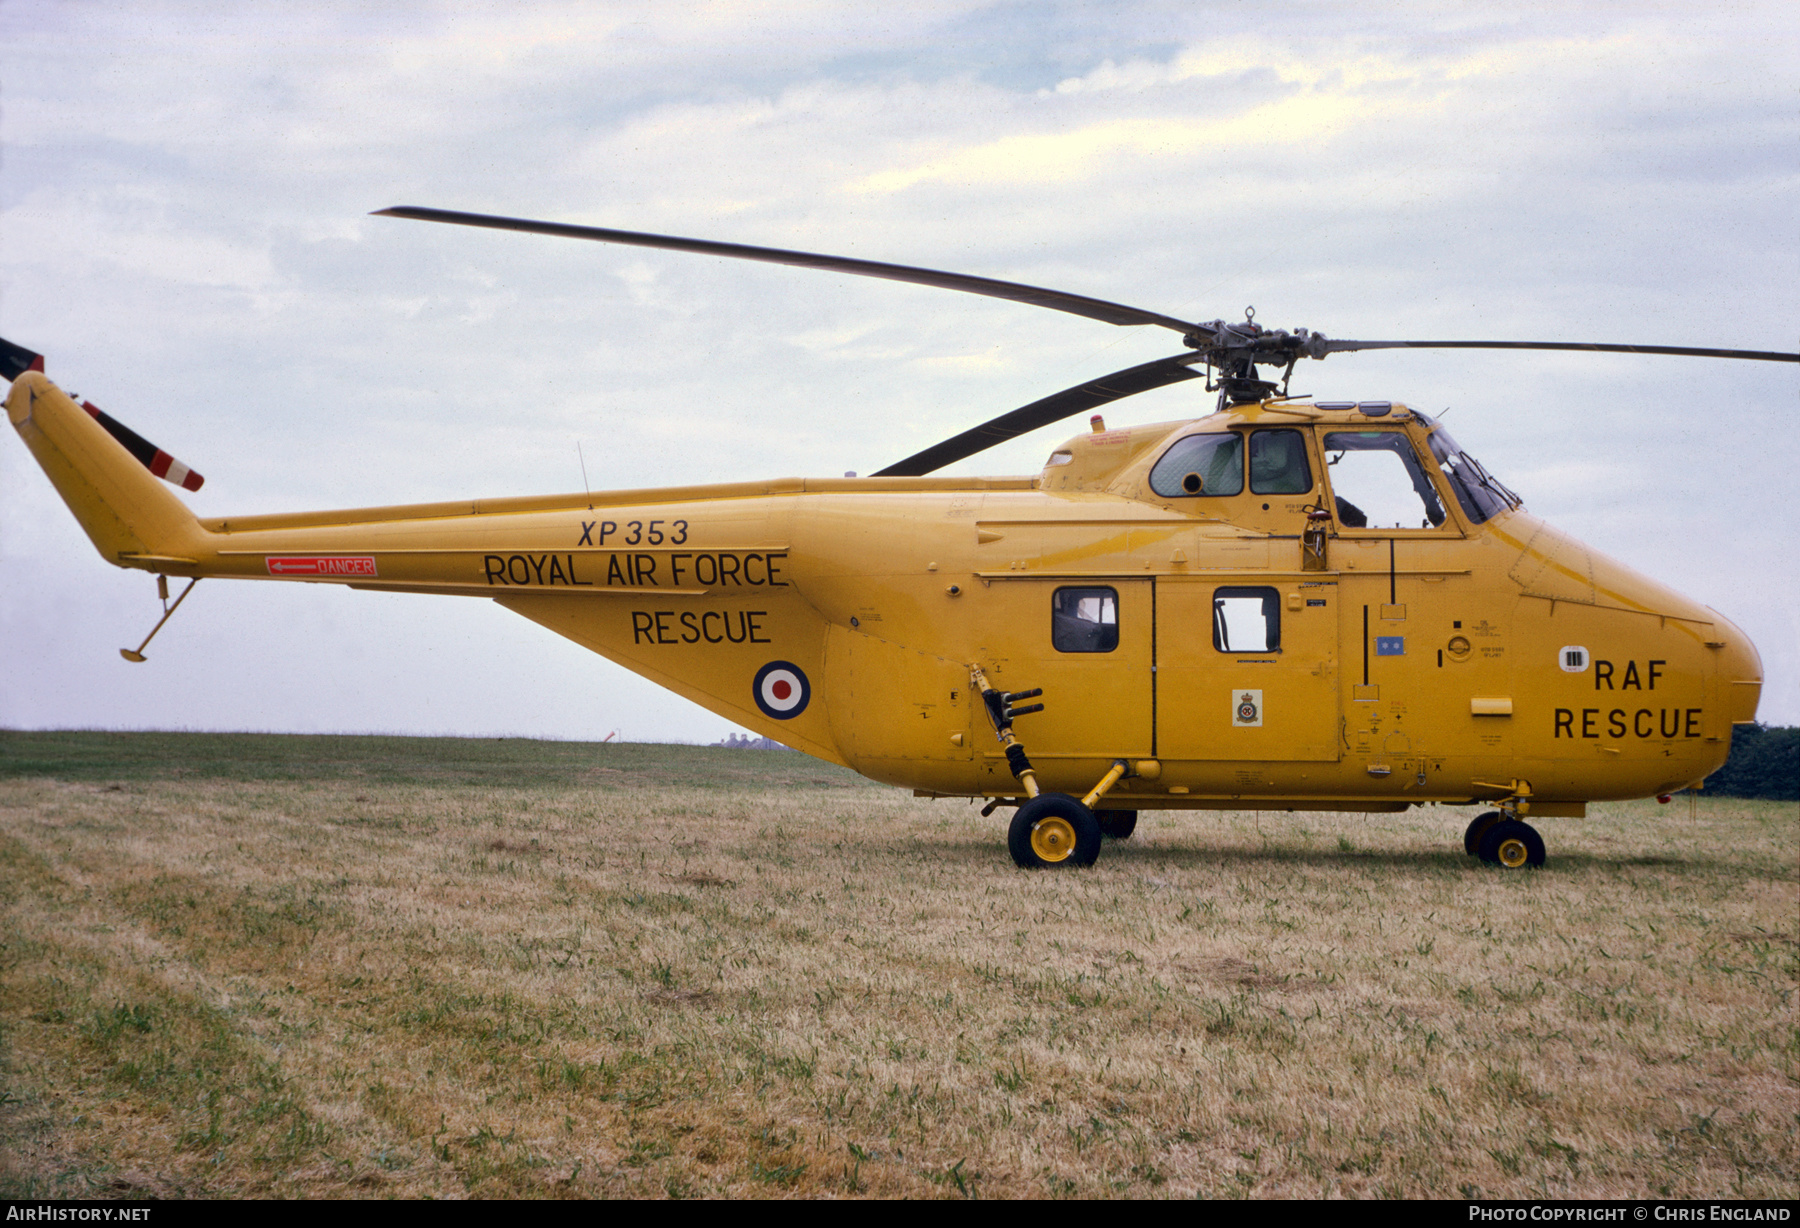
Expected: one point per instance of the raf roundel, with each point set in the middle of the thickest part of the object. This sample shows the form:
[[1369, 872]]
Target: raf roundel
[[781, 690]]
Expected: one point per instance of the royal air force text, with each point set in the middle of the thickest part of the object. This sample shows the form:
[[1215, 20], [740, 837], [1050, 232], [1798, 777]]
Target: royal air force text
[[719, 569], [687, 569]]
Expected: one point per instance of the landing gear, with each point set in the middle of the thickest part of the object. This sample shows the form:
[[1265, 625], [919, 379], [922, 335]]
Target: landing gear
[[1501, 837], [1512, 845], [1477, 829], [1053, 829], [1117, 824]]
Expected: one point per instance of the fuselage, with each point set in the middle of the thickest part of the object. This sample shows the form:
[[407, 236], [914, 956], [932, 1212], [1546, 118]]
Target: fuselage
[[1282, 606]]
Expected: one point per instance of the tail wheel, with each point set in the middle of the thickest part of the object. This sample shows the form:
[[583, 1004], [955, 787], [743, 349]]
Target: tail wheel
[[1477, 829], [1053, 829], [1512, 845], [1117, 824]]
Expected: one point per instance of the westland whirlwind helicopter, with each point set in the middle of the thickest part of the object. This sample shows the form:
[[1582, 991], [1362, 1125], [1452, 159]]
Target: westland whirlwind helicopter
[[1287, 605]]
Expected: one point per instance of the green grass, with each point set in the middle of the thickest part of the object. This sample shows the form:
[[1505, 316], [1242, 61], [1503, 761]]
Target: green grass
[[263, 966], [507, 763]]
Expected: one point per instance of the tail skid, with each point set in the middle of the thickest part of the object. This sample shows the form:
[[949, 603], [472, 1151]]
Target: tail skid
[[136, 655]]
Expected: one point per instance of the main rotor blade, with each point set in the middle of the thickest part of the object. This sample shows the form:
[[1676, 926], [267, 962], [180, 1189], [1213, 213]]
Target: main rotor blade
[[1069, 401], [1336, 347], [1056, 300]]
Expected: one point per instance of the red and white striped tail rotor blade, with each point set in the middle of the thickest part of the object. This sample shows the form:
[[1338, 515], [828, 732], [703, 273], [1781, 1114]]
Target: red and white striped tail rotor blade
[[154, 458]]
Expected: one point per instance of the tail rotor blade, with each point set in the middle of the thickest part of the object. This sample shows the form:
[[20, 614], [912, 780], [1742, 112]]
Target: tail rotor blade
[[15, 360], [152, 457]]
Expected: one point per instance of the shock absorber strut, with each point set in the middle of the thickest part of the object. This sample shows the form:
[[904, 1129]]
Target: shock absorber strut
[[1002, 711]]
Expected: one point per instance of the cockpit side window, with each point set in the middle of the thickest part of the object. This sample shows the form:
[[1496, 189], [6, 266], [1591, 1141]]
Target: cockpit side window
[[1379, 483], [1201, 465], [1278, 463], [1479, 492]]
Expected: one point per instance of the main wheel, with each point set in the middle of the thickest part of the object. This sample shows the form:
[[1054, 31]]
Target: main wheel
[[1477, 829], [1053, 829], [1512, 845], [1117, 824]]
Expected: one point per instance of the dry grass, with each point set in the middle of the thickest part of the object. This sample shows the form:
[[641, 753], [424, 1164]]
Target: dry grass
[[437, 968]]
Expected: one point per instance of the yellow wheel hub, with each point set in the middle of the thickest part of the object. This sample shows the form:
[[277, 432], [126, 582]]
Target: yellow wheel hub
[[1053, 839], [1512, 853]]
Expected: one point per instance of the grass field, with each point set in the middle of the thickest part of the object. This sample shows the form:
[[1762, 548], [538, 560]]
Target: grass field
[[287, 966]]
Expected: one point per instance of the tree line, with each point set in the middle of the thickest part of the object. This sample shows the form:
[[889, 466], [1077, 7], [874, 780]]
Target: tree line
[[1765, 762]]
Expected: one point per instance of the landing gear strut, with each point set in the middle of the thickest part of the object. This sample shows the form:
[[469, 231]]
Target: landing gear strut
[[1050, 829]]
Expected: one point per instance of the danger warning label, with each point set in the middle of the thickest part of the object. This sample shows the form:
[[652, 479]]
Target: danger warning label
[[322, 565]]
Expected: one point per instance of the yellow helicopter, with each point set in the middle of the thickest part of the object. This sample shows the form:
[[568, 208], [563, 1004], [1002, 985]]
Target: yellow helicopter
[[1286, 605]]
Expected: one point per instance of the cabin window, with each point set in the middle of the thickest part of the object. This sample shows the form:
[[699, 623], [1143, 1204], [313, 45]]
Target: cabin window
[[1201, 465], [1278, 463], [1246, 620], [1378, 482], [1084, 620]]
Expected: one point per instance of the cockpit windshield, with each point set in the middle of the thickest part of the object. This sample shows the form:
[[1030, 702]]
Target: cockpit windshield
[[1480, 493]]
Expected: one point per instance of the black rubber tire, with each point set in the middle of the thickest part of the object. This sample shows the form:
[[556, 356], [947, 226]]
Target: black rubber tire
[[1117, 824], [1477, 829], [1510, 839], [1079, 832]]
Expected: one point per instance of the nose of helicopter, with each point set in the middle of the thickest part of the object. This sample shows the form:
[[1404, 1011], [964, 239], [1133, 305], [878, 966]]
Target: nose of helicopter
[[1740, 671]]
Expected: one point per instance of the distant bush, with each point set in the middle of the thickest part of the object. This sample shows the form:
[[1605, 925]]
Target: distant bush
[[1765, 762]]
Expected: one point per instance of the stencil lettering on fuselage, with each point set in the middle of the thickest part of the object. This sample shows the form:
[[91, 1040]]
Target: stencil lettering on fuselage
[[699, 626], [662, 569], [1662, 724]]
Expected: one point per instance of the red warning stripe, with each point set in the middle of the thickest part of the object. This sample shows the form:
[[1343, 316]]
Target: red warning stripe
[[169, 469], [321, 565]]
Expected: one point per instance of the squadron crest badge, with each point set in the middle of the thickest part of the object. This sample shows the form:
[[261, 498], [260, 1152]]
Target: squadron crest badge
[[1246, 709]]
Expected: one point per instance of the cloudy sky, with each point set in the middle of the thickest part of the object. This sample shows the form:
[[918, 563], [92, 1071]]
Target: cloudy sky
[[184, 191]]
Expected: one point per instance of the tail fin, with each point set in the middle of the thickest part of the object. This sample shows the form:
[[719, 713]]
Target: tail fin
[[130, 516]]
